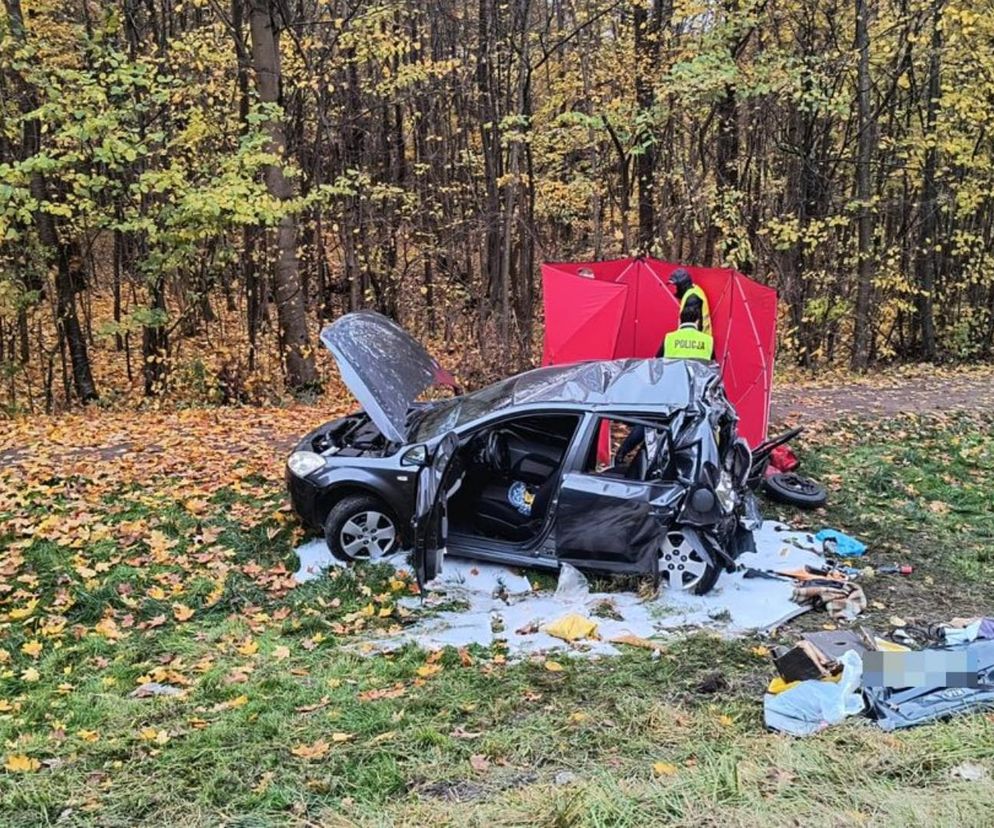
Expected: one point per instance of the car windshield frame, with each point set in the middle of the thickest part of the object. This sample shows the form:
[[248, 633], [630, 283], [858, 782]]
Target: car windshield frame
[[453, 414]]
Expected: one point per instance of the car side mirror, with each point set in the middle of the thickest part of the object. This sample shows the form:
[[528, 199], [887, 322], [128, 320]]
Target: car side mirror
[[415, 456]]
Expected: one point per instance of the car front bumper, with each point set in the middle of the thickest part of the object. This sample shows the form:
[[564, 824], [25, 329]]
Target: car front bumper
[[304, 498]]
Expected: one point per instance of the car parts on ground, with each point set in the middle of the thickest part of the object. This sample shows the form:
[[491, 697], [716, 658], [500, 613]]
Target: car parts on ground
[[774, 471]]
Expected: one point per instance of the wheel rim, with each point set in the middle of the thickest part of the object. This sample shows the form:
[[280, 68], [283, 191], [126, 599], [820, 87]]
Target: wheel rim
[[681, 567], [370, 535]]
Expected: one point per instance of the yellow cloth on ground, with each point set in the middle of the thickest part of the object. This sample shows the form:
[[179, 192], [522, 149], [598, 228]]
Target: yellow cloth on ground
[[571, 627]]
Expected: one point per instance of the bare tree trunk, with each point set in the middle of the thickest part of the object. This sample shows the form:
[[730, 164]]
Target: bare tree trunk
[[926, 258], [647, 33], [294, 339], [489, 120], [862, 330]]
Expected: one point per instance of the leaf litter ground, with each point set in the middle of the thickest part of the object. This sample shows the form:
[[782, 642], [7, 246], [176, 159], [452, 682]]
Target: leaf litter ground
[[170, 564]]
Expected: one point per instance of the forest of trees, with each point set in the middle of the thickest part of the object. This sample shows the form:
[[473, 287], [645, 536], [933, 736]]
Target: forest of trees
[[189, 187]]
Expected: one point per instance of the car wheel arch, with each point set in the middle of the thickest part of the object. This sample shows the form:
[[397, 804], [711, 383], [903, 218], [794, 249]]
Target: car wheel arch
[[349, 488]]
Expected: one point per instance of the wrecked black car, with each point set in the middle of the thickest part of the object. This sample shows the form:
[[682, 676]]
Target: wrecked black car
[[527, 471]]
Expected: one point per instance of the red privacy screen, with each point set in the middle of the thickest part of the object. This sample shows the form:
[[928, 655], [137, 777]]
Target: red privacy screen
[[624, 308]]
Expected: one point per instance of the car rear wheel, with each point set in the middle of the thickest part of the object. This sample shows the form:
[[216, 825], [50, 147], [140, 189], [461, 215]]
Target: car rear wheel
[[682, 568], [360, 528]]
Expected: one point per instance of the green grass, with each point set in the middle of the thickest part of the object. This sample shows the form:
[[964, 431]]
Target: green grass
[[473, 739]]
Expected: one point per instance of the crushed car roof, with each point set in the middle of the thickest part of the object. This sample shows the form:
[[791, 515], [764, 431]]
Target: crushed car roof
[[660, 383]]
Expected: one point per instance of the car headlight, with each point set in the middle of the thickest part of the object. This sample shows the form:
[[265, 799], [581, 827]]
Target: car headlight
[[303, 463]]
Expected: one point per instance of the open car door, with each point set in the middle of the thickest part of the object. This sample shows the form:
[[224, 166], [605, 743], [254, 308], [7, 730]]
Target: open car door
[[430, 517], [616, 522]]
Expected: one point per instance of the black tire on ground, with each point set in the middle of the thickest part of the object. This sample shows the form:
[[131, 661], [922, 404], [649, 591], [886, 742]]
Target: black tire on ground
[[355, 510], [795, 490]]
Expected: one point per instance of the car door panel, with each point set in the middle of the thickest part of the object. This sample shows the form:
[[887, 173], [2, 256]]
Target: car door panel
[[608, 523], [430, 517]]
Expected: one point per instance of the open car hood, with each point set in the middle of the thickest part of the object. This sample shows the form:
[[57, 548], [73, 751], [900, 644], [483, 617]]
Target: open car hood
[[384, 367]]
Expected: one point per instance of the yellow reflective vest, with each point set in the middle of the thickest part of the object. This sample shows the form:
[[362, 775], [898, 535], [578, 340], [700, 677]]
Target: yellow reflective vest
[[688, 343], [694, 290]]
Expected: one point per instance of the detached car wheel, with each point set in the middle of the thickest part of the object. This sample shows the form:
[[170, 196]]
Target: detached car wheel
[[681, 567], [360, 528], [796, 490]]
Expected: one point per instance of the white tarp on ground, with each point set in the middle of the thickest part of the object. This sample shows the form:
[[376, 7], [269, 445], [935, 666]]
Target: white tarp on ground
[[501, 604]]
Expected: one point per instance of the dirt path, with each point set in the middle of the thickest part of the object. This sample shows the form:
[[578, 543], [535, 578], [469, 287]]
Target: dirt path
[[886, 397]]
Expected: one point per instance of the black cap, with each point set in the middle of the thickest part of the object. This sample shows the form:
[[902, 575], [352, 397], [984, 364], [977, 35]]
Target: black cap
[[680, 277]]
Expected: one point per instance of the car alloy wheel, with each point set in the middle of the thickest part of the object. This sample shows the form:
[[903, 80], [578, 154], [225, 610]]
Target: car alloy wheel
[[368, 535], [681, 567]]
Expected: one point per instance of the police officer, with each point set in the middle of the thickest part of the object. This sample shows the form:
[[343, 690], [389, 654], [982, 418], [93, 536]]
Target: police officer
[[687, 342], [693, 302], [692, 340]]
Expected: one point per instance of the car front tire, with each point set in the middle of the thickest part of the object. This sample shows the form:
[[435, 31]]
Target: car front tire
[[361, 528]]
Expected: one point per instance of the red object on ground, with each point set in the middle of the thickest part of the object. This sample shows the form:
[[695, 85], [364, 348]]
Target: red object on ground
[[624, 308], [783, 459]]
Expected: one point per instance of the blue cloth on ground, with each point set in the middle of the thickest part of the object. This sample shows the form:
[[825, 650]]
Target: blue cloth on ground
[[813, 705], [847, 546]]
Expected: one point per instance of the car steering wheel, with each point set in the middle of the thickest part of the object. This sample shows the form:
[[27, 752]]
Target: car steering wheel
[[497, 452]]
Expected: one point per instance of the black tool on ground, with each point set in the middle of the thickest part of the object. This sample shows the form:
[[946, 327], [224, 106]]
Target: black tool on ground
[[769, 574], [751, 572]]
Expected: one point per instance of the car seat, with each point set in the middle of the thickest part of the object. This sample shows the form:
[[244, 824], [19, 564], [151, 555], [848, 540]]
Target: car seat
[[496, 516]]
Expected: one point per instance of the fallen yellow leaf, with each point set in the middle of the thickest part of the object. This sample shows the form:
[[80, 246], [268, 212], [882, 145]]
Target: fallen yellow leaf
[[32, 648], [181, 612], [31, 674], [108, 628], [572, 627], [554, 667], [664, 769], [314, 751], [150, 734], [19, 763], [281, 653], [342, 737], [248, 647], [88, 735], [18, 613]]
